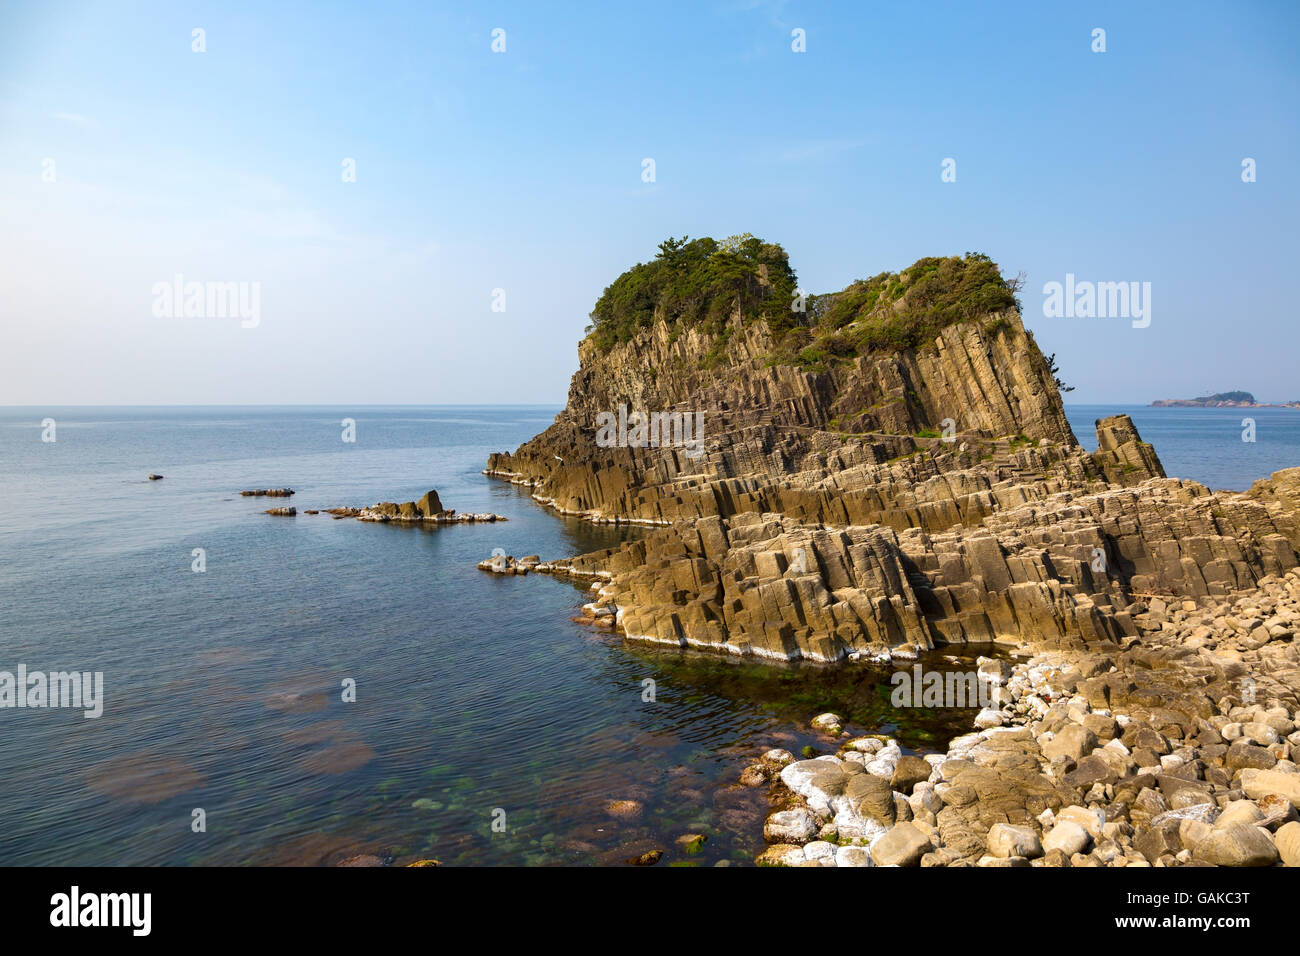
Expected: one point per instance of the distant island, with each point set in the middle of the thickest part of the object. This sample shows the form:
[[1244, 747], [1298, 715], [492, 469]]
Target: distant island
[[1221, 400]]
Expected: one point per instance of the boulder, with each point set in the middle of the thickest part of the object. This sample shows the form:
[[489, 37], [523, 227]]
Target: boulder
[[1074, 741], [1239, 811], [1006, 840], [828, 723], [782, 854], [1090, 820], [852, 856], [904, 845], [909, 771], [1260, 783], [430, 504], [1237, 845], [872, 797], [1287, 841], [790, 826], [1068, 837]]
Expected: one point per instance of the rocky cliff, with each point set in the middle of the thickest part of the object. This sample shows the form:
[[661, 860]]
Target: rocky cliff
[[872, 501]]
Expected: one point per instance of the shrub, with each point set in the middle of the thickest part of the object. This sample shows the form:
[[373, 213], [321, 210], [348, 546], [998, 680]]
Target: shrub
[[699, 282]]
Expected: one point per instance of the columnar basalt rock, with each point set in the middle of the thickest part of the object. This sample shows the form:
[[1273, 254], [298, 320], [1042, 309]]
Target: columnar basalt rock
[[884, 504]]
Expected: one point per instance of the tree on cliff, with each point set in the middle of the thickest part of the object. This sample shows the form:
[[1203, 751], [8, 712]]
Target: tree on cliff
[[701, 283], [898, 311], [698, 282]]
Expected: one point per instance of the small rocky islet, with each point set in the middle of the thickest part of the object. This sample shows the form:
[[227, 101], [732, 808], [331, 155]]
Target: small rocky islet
[[892, 472], [427, 509]]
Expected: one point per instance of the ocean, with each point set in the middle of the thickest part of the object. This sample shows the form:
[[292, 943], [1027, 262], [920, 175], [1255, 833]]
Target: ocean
[[1205, 444], [487, 726]]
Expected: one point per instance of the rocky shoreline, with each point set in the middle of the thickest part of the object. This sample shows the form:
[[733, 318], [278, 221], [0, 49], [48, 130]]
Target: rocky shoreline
[[873, 503], [792, 538], [1177, 748]]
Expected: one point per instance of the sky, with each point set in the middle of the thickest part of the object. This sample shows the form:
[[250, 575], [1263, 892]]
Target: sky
[[496, 193]]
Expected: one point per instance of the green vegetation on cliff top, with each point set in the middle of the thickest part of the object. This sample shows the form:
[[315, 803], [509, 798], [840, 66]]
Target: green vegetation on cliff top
[[701, 283], [697, 283]]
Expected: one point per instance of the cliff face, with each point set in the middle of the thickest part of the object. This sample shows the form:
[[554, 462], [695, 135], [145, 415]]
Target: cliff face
[[772, 425], [887, 501]]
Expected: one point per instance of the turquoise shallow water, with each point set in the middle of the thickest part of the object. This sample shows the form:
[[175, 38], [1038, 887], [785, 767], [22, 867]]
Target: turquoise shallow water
[[474, 693]]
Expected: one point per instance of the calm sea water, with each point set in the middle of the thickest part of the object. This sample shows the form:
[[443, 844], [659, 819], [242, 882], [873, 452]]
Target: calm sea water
[[1205, 444], [475, 693]]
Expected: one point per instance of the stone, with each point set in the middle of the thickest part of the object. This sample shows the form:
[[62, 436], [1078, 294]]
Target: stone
[[691, 843], [909, 771], [1191, 832], [1005, 840], [820, 521], [1287, 841], [1102, 726], [1237, 845], [903, 845], [1260, 783], [625, 809], [872, 797], [1090, 820], [430, 504], [1277, 810], [1259, 732], [1238, 811], [1242, 755], [820, 850], [781, 854], [1074, 741], [790, 826], [852, 856], [1158, 842], [1090, 771], [832, 724], [1068, 837]]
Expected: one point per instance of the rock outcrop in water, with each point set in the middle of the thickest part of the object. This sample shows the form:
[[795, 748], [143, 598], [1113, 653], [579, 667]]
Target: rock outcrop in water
[[881, 502], [428, 508]]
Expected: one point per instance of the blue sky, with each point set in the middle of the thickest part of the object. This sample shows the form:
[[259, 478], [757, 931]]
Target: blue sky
[[522, 170]]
